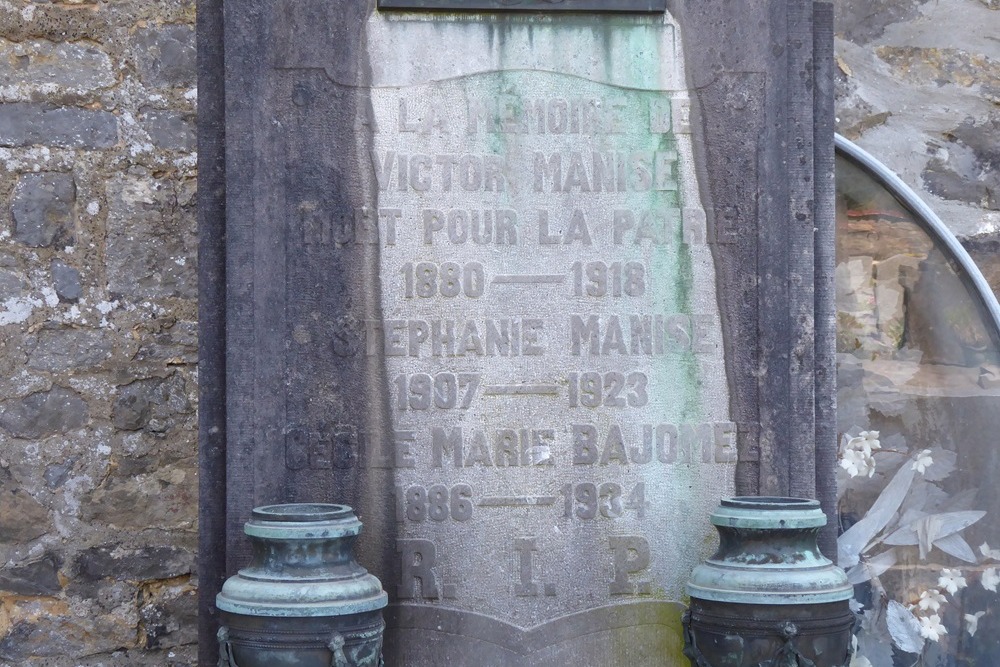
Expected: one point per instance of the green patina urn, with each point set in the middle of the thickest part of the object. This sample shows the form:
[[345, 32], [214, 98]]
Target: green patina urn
[[303, 600], [768, 597]]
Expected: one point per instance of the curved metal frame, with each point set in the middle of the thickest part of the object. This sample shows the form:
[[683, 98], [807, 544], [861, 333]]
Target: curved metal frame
[[929, 220]]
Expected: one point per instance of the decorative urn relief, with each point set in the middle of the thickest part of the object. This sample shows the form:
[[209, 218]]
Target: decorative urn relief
[[303, 600], [768, 597]]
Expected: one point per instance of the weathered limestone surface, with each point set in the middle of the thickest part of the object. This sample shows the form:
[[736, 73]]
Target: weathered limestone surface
[[98, 339], [919, 87]]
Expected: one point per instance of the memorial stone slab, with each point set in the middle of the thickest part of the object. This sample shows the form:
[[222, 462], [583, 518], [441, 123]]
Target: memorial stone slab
[[551, 332], [495, 280]]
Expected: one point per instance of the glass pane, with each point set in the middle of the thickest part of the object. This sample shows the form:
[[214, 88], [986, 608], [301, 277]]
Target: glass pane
[[919, 414]]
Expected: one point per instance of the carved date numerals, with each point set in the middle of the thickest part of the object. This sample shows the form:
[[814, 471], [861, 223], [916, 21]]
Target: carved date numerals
[[450, 279], [602, 279], [612, 390], [587, 500], [435, 503], [444, 391]]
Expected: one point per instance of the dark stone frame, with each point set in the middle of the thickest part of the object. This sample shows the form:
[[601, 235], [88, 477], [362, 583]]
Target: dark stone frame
[[766, 157]]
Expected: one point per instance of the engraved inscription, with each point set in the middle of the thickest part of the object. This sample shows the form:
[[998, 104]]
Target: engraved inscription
[[418, 572], [478, 227], [437, 503], [543, 336], [551, 341], [631, 557], [526, 547], [613, 390], [588, 500], [341, 446], [442, 391]]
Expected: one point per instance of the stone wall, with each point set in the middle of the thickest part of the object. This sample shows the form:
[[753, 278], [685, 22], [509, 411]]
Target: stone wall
[[98, 338], [919, 88], [98, 345]]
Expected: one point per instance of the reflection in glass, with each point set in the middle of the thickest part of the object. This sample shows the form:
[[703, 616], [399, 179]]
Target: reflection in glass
[[918, 365]]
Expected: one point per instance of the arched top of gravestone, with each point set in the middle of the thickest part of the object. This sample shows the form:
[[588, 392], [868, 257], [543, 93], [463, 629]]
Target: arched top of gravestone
[[528, 5], [627, 50]]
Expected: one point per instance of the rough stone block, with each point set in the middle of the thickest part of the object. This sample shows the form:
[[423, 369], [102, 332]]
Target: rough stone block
[[892, 277], [863, 21], [179, 343], [167, 498], [44, 632], [150, 404], [970, 172], [27, 124], [60, 350], [56, 474], [170, 130], [169, 615], [42, 209], [856, 323], [942, 67], [66, 280], [43, 413], [179, 656], [39, 577], [143, 564], [151, 243], [11, 285], [985, 250], [22, 518], [76, 66], [165, 56]]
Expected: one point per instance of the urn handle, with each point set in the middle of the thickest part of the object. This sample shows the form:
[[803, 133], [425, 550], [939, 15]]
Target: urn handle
[[691, 649], [789, 654], [226, 657], [336, 646]]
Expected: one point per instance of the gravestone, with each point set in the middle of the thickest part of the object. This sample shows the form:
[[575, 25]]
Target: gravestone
[[531, 290]]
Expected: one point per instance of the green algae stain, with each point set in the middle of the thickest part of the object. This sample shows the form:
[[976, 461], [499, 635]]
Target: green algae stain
[[633, 645]]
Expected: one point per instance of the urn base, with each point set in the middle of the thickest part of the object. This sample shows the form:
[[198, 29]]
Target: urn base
[[330, 641]]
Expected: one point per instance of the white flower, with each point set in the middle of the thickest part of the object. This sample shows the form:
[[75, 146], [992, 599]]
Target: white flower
[[866, 442], [869, 441], [931, 600], [931, 627], [850, 461], [951, 580], [856, 462], [992, 554], [870, 465], [990, 579], [923, 461], [972, 622]]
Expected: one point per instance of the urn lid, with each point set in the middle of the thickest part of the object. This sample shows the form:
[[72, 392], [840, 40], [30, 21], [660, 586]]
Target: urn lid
[[768, 512], [768, 555], [303, 565], [302, 521]]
